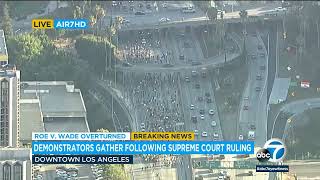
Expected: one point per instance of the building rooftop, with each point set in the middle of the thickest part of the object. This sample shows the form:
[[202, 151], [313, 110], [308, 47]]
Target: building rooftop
[[66, 125], [31, 119], [279, 91], [3, 47], [20, 154], [57, 98]]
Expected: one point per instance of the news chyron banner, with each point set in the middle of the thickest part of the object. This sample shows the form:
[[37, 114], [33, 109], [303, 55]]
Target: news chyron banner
[[119, 148]]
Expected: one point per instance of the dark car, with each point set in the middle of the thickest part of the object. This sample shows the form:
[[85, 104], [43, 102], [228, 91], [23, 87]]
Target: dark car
[[252, 126], [263, 67], [194, 119], [207, 94], [258, 89], [259, 47], [139, 13], [201, 111], [148, 6], [181, 57], [259, 77], [186, 45], [209, 100], [197, 86], [195, 63], [168, 65], [125, 64]]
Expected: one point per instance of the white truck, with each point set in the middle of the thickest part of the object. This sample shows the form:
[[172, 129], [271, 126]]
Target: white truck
[[251, 135]]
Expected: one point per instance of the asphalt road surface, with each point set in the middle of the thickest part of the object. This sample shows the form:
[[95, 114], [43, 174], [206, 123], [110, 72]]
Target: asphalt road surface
[[253, 103]]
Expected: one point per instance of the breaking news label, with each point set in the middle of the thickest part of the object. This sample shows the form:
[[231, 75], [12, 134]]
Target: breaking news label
[[92, 147]]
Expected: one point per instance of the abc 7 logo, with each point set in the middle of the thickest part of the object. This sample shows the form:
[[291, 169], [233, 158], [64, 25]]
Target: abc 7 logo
[[274, 151]]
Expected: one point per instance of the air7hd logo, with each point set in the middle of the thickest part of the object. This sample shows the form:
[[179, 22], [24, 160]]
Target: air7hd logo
[[274, 150]]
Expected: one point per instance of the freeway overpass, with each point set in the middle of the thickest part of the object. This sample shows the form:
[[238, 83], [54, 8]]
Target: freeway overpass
[[151, 21]]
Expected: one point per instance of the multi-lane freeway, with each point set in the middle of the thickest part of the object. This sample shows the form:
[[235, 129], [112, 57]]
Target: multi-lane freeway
[[253, 110]]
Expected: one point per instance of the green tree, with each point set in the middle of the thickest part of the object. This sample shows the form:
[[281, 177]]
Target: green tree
[[243, 16], [212, 14], [6, 22], [95, 50], [99, 14]]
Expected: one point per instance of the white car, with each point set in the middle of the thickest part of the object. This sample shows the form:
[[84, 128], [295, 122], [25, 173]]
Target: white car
[[246, 98], [280, 9], [202, 117], [211, 112], [221, 178], [240, 137], [163, 20], [188, 10], [196, 132], [164, 5], [213, 123], [204, 134], [191, 106], [215, 136], [142, 126]]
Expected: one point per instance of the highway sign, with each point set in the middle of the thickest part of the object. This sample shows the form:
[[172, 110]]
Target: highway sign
[[245, 164], [207, 165]]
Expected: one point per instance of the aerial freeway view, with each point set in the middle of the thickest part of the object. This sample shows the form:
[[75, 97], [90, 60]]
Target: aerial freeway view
[[224, 71]]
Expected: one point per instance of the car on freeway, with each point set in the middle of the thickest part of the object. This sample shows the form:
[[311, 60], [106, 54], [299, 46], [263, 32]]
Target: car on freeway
[[204, 134], [211, 112], [200, 98], [163, 20], [221, 178], [125, 64], [213, 123], [215, 136], [194, 119], [262, 55], [202, 117], [207, 94], [196, 132], [209, 100], [164, 5], [259, 47], [143, 130], [192, 107], [194, 73], [246, 98], [168, 65], [181, 57], [140, 5], [187, 79], [280, 9], [240, 137], [258, 89], [148, 6], [201, 111], [188, 10], [195, 63], [263, 67], [252, 126], [139, 13], [258, 77], [142, 126], [245, 107], [197, 86], [253, 56]]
